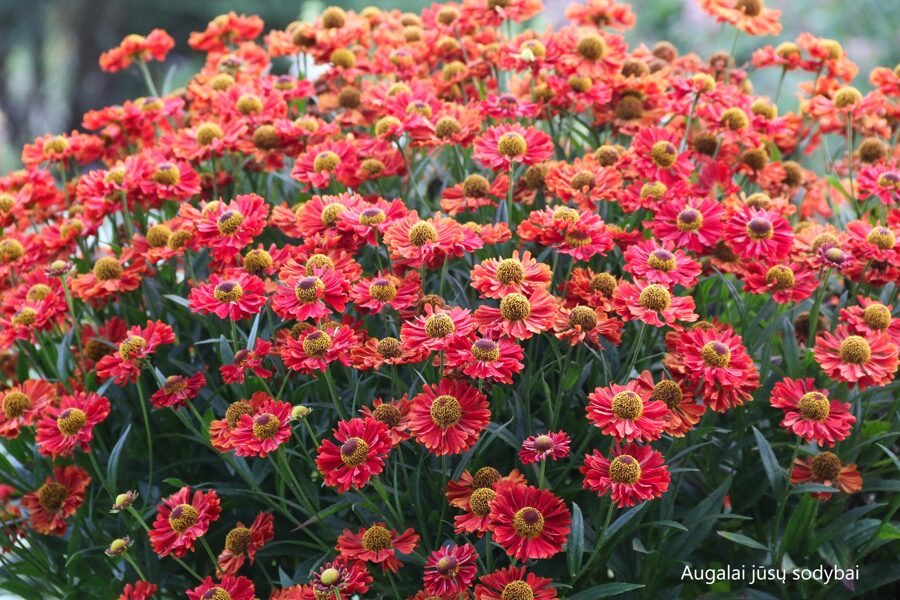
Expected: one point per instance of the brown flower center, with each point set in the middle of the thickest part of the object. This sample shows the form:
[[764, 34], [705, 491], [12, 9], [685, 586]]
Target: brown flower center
[[625, 469], [354, 452], [446, 411], [238, 540], [655, 297], [215, 593], [422, 233], [515, 307], [689, 219], [51, 496], [604, 283], [591, 47], [15, 404], [826, 466], [668, 391], [716, 355], [439, 325], [528, 522], [480, 501], [485, 477], [389, 347], [377, 538], [517, 590], [235, 411], [877, 316], [387, 414], [584, 317], [627, 405], [183, 517], [855, 350], [71, 421], [814, 406], [510, 270], [760, 228], [107, 269]]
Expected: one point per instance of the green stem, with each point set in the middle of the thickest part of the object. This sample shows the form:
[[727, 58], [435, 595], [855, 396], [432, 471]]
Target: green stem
[[134, 566], [782, 503], [149, 432], [599, 543], [147, 78], [338, 404]]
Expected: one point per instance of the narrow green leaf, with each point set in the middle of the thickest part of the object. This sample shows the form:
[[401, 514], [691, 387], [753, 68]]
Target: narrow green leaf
[[743, 540], [112, 463], [575, 545], [770, 463]]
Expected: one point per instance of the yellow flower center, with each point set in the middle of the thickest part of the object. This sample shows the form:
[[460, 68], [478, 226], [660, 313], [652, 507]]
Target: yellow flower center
[[655, 297], [584, 317], [316, 343], [485, 350], [132, 345], [512, 144], [882, 238], [389, 347], [877, 316], [855, 350], [229, 222], [668, 391], [480, 501], [446, 411], [238, 540], [228, 291], [485, 477], [515, 307], [377, 538], [15, 404], [627, 405], [781, 277], [625, 469], [439, 326], [107, 269], [814, 406], [257, 261], [326, 161], [383, 290], [372, 216], [331, 213], [476, 186], [387, 414], [528, 522], [308, 289], [591, 47], [183, 517], [517, 590], [265, 426], [422, 233], [51, 496], [208, 132], [662, 260], [663, 154], [760, 228], [71, 421], [510, 271], [716, 355]]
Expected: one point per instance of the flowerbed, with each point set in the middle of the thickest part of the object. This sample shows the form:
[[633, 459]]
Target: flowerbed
[[475, 311]]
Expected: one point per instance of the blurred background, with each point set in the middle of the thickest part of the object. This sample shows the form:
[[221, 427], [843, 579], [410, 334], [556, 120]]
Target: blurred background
[[49, 74]]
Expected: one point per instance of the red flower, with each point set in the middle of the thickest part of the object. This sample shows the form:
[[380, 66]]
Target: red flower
[[71, 424], [180, 520], [809, 413], [487, 359], [632, 474], [826, 468], [227, 228], [758, 233], [242, 543], [495, 278], [245, 360], [864, 360], [501, 147], [550, 445], [660, 263], [620, 411], [394, 414], [372, 295], [20, 406], [377, 544], [871, 317], [57, 499], [315, 349], [529, 522], [313, 296], [437, 329], [134, 351], [141, 590], [233, 588], [220, 430], [450, 570], [341, 576], [364, 445], [318, 164], [694, 224], [137, 47], [652, 304], [414, 242], [178, 390], [448, 418], [264, 431], [718, 359], [514, 582], [235, 297], [518, 316], [584, 325], [683, 411], [787, 283]]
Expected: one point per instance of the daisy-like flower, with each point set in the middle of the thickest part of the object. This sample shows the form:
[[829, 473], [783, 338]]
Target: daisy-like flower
[[264, 431], [880, 181], [513, 583], [313, 296], [694, 224], [631, 474], [460, 493], [620, 411], [518, 316], [657, 156], [364, 445], [22, 405], [437, 329], [136, 47], [551, 445], [683, 413], [135, 351], [372, 295], [341, 576], [242, 543], [377, 544], [450, 570], [529, 522], [140, 590], [502, 146], [177, 390], [247, 360], [370, 220], [314, 349], [227, 228], [60, 496], [394, 414], [867, 361], [228, 587], [318, 164], [582, 324], [652, 304], [759, 233], [220, 429], [181, 519], [236, 297], [661, 263], [71, 424], [414, 242], [496, 278], [448, 418], [486, 358], [786, 282], [473, 193], [809, 413], [869, 317], [826, 468], [718, 359]]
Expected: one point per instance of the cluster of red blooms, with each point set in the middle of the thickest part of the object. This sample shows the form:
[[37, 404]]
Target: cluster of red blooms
[[260, 200]]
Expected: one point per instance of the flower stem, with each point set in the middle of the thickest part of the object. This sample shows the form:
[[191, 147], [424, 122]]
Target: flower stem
[[149, 432], [147, 78]]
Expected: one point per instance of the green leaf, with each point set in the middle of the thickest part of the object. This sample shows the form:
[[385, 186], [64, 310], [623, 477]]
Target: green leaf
[[575, 545], [605, 591], [174, 482], [836, 184], [178, 300], [893, 456], [743, 540], [112, 463], [770, 463]]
